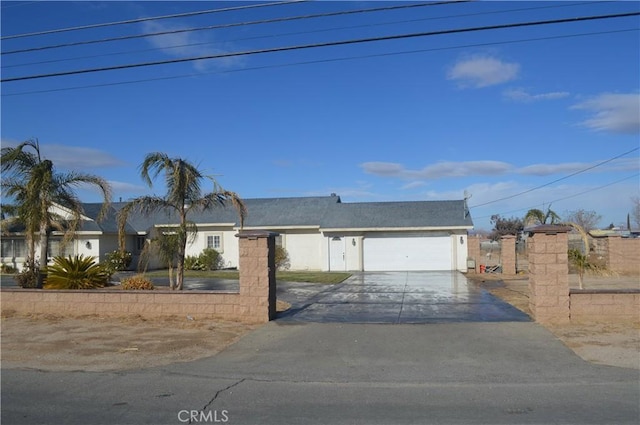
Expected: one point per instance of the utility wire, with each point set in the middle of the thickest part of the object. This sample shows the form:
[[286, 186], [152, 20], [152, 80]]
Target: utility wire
[[406, 52], [325, 44], [151, 18], [567, 197], [231, 25], [557, 180], [177, 46]]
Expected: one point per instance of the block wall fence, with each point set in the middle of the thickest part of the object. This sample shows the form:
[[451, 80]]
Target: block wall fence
[[254, 303], [550, 298]]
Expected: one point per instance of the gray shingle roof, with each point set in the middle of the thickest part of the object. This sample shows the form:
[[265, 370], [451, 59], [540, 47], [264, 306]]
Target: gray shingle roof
[[398, 214], [325, 212]]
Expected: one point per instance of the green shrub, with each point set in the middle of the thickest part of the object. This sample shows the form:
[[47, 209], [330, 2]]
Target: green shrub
[[211, 259], [78, 272], [282, 259], [193, 263], [117, 261], [136, 283]]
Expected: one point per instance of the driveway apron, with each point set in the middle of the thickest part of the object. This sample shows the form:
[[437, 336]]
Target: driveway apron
[[397, 297]]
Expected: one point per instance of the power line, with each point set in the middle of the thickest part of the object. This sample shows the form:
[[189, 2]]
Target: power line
[[177, 46], [406, 52], [326, 44], [231, 25], [151, 18], [568, 197], [557, 180]]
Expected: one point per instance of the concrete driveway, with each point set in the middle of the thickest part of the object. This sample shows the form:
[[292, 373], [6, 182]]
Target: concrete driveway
[[396, 297]]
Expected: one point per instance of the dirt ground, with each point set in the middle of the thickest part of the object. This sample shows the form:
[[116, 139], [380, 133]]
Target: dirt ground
[[92, 343], [608, 344]]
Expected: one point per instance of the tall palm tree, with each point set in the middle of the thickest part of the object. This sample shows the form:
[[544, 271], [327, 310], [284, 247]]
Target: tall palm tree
[[184, 195], [536, 216], [35, 188]]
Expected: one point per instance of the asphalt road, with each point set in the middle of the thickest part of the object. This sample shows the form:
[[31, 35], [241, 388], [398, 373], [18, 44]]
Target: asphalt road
[[333, 373]]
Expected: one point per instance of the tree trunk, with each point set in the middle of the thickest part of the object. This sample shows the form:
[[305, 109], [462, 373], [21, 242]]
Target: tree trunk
[[172, 285], [180, 272], [44, 247]]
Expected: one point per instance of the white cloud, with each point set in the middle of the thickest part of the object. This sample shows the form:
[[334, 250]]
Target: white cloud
[[482, 71], [438, 170], [391, 169], [125, 187], [79, 158], [615, 113], [449, 169], [189, 44], [413, 185], [521, 95], [74, 157], [549, 169]]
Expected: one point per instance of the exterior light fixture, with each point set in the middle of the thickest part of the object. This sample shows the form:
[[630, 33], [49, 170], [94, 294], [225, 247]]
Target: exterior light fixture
[[461, 240], [88, 245], [353, 241]]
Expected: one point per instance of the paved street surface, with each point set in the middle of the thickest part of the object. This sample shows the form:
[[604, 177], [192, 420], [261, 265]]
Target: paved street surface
[[380, 348], [333, 373]]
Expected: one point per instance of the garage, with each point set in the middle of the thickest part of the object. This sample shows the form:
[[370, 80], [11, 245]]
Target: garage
[[388, 252]]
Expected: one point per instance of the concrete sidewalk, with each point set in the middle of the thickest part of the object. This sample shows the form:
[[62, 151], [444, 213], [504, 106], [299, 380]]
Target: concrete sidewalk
[[315, 373]]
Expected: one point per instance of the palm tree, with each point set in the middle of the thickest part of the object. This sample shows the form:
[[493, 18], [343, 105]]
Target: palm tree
[[184, 195], [35, 188], [536, 216]]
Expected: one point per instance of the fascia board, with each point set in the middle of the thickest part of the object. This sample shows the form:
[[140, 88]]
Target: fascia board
[[394, 229]]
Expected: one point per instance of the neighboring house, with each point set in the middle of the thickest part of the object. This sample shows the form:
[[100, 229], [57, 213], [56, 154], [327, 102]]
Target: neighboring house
[[319, 233]]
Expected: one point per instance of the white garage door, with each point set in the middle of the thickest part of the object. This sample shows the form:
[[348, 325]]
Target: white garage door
[[394, 253]]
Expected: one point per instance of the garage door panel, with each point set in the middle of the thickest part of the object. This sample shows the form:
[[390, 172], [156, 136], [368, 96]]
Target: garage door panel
[[407, 253]]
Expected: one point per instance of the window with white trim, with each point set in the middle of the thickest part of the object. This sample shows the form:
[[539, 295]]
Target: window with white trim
[[214, 241]]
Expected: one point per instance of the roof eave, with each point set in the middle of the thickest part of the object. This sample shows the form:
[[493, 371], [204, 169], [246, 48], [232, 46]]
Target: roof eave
[[393, 229]]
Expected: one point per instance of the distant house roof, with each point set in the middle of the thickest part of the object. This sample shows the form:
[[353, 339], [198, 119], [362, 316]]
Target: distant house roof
[[326, 212]]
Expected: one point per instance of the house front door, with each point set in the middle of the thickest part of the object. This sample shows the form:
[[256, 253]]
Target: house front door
[[336, 254]]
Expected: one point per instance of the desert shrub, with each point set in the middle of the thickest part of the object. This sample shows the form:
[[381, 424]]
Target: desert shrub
[[28, 277], [136, 283], [192, 262], [77, 272], [282, 259], [7, 268], [211, 259], [117, 261]]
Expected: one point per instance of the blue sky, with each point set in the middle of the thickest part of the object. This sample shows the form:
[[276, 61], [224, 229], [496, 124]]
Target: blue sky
[[519, 118]]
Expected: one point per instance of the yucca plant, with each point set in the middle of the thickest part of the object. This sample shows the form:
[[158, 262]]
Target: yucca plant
[[581, 263], [78, 272]]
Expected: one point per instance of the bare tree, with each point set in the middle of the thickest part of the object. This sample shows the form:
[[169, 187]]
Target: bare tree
[[587, 220]]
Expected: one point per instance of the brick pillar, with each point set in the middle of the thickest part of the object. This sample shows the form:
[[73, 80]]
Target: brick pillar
[[473, 248], [549, 273], [257, 275], [508, 254]]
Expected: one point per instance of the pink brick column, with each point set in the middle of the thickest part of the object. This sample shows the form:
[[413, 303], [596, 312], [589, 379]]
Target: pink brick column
[[508, 254], [549, 273], [257, 275], [473, 248]]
